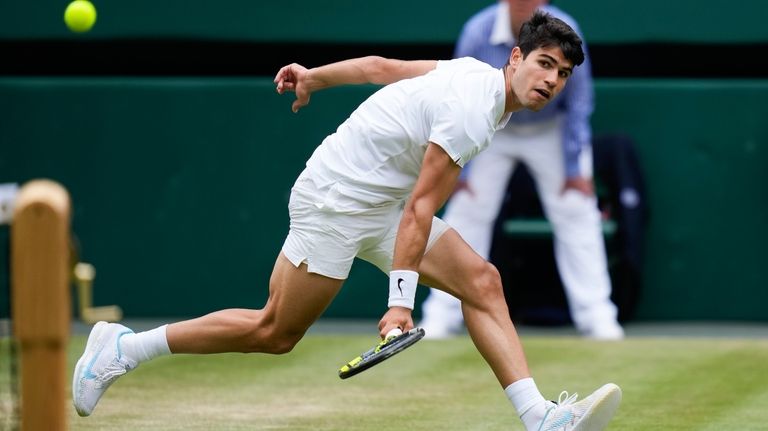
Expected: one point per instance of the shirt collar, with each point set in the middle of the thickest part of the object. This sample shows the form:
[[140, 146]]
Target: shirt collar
[[501, 34], [503, 121], [502, 101]]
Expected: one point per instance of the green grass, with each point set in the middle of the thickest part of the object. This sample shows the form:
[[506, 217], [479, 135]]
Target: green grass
[[670, 384]]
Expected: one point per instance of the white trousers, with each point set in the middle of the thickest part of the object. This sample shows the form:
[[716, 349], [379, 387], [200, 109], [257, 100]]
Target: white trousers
[[575, 219]]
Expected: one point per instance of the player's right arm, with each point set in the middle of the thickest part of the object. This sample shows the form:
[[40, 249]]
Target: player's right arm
[[437, 179], [364, 70]]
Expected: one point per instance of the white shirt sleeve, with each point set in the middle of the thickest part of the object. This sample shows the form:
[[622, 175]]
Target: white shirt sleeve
[[453, 129]]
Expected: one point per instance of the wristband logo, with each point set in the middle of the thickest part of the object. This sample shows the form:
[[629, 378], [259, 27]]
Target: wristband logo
[[400, 280]]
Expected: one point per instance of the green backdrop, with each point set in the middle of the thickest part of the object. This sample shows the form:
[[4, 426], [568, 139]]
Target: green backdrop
[[180, 186], [603, 21]]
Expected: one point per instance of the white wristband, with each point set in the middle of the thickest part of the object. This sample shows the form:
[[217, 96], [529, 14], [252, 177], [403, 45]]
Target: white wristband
[[402, 288]]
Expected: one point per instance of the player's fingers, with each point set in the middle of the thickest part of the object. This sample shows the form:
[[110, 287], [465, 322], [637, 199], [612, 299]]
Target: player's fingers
[[302, 99], [406, 325], [285, 79], [284, 86], [282, 73]]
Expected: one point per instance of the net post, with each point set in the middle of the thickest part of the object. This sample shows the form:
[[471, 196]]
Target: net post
[[41, 301]]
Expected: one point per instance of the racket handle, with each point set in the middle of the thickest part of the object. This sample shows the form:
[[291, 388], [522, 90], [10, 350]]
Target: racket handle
[[394, 332]]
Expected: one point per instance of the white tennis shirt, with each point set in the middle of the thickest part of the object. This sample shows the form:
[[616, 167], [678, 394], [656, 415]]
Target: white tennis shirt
[[375, 156]]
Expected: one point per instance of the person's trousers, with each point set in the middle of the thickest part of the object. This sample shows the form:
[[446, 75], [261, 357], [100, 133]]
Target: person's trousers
[[575, 219]]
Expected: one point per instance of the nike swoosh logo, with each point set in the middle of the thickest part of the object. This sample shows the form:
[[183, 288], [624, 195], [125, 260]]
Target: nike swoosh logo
[[88, 374], [400, 280]]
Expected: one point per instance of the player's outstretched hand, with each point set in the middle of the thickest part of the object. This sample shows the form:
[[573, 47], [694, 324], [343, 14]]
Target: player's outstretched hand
[[293, 77]]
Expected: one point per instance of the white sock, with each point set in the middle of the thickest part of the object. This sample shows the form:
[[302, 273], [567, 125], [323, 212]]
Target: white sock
[[528, 401], [145, 345]]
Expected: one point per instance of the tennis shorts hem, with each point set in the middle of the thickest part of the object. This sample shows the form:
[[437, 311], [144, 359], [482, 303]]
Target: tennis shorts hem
[[297, 259]]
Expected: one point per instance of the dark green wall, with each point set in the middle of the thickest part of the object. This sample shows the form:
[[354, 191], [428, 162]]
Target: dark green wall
[[252, 20], [704, 148], [180, 186], [603, 21], [709, 21]]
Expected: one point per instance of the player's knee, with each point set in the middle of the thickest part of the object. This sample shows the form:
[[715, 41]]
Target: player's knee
[[264, 335], [281, 346], [278, 341], [487, 290]]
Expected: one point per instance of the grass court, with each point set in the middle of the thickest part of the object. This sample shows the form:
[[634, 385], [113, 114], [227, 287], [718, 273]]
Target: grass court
[[679, 383]]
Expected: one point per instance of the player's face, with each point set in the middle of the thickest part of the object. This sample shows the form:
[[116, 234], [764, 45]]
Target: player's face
[[540, 77]]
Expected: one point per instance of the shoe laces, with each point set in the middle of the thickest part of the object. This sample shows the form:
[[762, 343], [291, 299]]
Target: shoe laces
[[564, 400], [113, 370]]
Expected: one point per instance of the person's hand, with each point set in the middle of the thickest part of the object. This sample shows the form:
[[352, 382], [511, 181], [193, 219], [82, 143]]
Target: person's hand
[[395, 317], [581, 184], [294, 77]]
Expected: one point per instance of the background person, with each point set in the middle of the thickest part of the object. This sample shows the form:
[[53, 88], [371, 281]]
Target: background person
[[555, 145]]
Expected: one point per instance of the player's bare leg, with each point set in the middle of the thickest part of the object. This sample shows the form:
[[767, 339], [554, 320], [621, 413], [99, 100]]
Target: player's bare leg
[[296, 299], [451, 265]]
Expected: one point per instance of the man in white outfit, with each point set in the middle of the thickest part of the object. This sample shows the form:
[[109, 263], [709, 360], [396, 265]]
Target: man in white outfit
[[371, 190], [555, 145]]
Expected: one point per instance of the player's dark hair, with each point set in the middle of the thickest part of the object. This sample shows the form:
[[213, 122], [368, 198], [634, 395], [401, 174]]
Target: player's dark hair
[[543, 30]]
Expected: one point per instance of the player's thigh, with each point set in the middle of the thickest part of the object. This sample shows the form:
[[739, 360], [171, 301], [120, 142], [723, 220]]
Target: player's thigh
[[297, 297], [380, 250], [453, 266]]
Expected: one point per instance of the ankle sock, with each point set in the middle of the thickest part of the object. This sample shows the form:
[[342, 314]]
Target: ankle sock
[[528, 401], [145, 345]]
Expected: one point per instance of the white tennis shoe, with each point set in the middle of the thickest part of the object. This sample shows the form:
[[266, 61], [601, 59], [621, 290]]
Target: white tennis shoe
[[590, 414], [101, 364]]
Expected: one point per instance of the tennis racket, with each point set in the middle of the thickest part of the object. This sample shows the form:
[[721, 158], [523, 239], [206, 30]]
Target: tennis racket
[[395, 342]]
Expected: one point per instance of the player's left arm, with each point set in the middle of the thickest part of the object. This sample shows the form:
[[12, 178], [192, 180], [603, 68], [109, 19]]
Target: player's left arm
[[437, 179]]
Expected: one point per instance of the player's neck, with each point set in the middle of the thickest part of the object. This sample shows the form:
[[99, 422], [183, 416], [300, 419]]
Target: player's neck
[[511, 102]]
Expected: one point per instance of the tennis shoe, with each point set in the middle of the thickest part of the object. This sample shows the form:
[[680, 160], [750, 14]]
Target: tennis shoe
[[101, 364], [590, 414]]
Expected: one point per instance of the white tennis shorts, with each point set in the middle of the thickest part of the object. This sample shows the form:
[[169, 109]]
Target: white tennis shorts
[[328, 230]]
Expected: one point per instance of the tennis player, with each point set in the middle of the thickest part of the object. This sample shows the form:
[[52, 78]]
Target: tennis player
[[371, 190]]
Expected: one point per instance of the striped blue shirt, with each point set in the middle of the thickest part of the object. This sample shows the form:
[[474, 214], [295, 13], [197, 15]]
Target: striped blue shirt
[[487, 40]]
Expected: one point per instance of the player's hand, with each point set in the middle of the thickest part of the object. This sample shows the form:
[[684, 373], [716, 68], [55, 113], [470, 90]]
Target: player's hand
[[294, 77], [580, 184], [395, 317]]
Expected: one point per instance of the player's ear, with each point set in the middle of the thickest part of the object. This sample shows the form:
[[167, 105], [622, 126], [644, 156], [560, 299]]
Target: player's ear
[[515, 57]]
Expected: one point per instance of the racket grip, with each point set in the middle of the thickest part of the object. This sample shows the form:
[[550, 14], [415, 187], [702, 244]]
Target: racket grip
[[394, 332]]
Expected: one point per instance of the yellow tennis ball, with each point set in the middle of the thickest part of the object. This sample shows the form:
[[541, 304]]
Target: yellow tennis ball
[[80, 16]]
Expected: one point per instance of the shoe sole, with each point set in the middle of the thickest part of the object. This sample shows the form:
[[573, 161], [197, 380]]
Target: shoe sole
[[93, 341], [602, 410]]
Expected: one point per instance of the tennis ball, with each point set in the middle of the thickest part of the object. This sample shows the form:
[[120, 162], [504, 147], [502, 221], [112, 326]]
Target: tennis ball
[[80, 16]]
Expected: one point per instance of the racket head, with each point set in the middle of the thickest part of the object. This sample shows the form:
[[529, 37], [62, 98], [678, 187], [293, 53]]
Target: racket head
[[381, 352]]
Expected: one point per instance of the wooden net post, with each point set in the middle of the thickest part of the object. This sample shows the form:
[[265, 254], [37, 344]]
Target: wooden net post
[[41, 301]]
